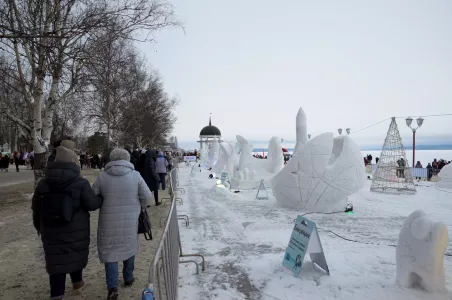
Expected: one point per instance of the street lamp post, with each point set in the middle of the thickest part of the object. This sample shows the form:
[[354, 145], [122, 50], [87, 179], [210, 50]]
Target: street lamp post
[[419, 122]]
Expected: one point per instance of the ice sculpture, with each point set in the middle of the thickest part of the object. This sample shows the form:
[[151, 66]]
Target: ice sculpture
[[244, 176], [302, 130], [246, 159], [446, 177], [420, 253], [275, 159], [227, 160], [213, 153], [321, 175]]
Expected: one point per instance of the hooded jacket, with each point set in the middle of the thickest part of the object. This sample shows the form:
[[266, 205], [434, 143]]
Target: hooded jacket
[[125, 193], [161, 163], [66, 245], [150, 174]]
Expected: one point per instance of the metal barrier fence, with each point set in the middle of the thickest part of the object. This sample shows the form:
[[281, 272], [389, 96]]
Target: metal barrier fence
[[417, 172], [164, 270]]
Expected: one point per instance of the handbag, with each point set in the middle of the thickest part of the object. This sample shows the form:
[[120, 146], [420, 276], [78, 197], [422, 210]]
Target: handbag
[[144, 225]]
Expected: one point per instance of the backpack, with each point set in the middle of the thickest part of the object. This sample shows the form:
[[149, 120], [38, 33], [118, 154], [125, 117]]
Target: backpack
[[57, 205]]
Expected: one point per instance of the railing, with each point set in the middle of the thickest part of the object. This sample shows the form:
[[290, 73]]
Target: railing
[[417, 172], [164, 270]]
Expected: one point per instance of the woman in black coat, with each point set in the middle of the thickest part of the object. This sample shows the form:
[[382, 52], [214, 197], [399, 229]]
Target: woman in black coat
[[150, 175], [61, 205]]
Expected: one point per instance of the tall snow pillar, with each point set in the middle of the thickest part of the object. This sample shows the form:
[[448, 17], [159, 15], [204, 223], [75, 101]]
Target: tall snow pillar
[[302, 130]]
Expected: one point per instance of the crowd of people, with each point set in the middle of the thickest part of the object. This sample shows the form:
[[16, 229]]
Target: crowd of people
[[17, 159], [64, 199], [433, 168]]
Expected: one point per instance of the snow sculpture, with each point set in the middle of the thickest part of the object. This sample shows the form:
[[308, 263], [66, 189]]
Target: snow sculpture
[[246, 174], [446, 177], [203, 154], [321, 175], [420, 253], [227, 160], [275, 156], [245, 153], [302, 130], [213, 153]]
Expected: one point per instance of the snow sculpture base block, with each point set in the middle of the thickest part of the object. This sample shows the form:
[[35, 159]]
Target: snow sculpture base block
[[420, 253], [321, 175], [446, 177]]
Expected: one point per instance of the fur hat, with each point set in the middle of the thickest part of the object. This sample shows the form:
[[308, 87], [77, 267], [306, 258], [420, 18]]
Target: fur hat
[[68, 144], [119, 154], [64, 154]]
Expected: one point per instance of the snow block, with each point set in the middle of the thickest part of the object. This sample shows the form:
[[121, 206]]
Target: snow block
[[446, 177], [420, 253]]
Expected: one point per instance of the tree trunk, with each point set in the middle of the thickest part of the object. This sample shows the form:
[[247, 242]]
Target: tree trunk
[[40, 166], [14, 144]]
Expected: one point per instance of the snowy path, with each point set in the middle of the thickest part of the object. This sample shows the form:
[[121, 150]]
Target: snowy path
[[244, 241]]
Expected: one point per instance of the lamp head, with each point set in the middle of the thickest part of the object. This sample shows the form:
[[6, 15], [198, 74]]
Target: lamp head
[[408, 121], [419, 121], [347, 130], [340, 131]]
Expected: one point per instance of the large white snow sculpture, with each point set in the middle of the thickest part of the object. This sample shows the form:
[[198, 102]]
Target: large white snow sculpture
[[302, 130], [275, 158], [246, 159], [213, 154], [420, 253], [227, 160], [446, 177], [321, 175]]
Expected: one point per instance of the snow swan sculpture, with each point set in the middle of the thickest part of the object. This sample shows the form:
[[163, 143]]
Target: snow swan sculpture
[[420, 253], [322, 173]]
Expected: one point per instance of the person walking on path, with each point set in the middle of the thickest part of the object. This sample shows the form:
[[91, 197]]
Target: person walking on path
[[124, 193], [161, 165], [61, 205], [150, 175], [16, 160]]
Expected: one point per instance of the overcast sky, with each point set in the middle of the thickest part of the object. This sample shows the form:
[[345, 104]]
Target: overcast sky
[[253, 63]]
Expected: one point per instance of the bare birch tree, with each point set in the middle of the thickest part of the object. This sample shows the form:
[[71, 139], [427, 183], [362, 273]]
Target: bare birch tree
[[49, 40]]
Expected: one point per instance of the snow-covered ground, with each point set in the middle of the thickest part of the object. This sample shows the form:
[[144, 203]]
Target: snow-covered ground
[[244, 242]]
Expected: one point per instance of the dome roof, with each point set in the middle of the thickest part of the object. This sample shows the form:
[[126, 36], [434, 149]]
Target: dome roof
[[210, 130]]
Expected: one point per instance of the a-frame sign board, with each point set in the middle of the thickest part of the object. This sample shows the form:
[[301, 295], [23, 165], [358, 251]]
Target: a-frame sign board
[[304, 239], [262, 192]]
